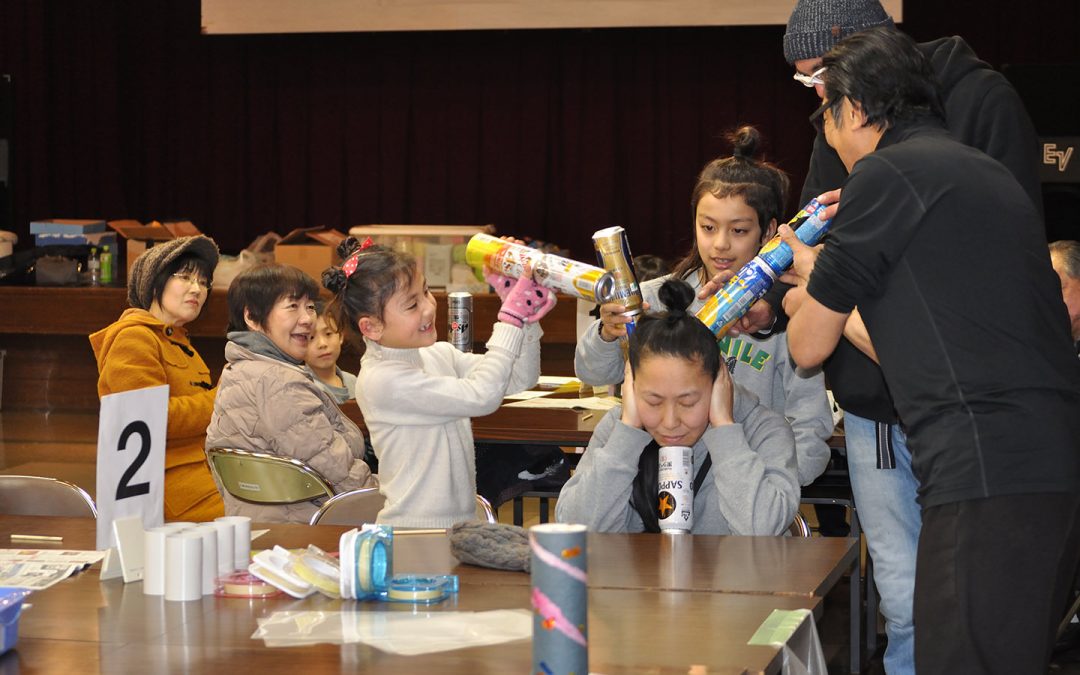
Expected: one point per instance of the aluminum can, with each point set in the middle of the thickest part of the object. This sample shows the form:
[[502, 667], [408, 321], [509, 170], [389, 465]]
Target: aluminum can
[[613, 252], [676, 489], [560, 274], [459, 308], [757, 276]]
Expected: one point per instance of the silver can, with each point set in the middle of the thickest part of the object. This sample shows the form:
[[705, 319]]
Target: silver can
[[676, 500], [459, 320]]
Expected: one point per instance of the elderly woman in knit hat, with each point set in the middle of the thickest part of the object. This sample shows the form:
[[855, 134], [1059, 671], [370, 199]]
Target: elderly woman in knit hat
[[147, 346]]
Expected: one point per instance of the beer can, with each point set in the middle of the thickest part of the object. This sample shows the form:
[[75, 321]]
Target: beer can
[[732, 301], [676, 499], [613, 252], [560, 274], [459, 320]]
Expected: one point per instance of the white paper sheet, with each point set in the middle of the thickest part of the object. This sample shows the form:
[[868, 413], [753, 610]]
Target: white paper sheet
[[396, 632], [56, 556], [527, 395], [35, 576], [587, 403]]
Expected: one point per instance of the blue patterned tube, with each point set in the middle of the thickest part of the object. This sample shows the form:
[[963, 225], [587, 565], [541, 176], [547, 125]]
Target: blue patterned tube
[[559, 599]]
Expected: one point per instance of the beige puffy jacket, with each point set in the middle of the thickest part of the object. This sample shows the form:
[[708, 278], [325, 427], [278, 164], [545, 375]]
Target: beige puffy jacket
[[267, 405]]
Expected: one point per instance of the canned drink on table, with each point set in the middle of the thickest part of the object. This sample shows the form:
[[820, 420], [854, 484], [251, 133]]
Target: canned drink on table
[[676, 489], [756, 277], [560, 274], [613, 251], [459, 320]]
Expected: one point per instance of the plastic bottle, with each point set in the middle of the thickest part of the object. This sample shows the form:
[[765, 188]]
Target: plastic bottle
[[106, 265], [94, 265]]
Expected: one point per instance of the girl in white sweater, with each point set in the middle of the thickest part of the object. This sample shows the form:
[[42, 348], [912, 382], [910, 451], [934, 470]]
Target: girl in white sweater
[[417, 394]]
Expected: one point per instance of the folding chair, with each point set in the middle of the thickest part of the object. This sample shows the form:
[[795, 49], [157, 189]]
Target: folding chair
[[799, 527], [261, 478], [362, 506], [39, 496]]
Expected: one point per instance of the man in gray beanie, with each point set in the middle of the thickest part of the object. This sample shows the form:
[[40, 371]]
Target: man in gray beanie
[[982, 110]]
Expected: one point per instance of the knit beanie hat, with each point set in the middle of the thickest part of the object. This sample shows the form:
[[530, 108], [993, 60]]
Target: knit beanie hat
[[816, 25], [155, 258]]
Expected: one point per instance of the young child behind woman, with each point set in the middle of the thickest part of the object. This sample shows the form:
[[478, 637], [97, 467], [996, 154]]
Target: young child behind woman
[[676, 393], [267, 401], [418, 395], [322, 357], [735, 204]]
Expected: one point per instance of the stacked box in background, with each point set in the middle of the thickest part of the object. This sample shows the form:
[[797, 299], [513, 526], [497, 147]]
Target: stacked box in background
[[311, 249], [439, 251], [64, 248], [140, 237]]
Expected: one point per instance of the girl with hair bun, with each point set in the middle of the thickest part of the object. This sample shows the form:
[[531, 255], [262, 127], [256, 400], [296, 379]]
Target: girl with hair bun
[[417, 394], [735, 206], [677, 394]]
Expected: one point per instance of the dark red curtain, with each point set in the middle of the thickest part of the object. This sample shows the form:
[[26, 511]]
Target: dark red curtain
[[122, 109]]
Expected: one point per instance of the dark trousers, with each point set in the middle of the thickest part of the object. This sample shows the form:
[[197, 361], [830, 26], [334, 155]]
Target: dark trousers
[[991, 582]]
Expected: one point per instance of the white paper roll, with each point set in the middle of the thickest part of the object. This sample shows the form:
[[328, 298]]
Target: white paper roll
[[154, 561], [241, 539], [225, 546], [183, 566], [209, 556]]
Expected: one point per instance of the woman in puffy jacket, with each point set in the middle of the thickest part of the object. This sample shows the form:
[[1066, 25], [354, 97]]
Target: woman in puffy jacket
[[268, 402]]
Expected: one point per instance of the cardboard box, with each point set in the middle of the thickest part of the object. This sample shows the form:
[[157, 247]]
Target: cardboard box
[[311, 249], [439, 249], [140, 237], [67, 226]]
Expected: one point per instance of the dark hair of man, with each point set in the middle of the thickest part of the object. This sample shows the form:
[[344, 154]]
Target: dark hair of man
[[379, 273], [1069, 252], [883, 71], [257, 289], [188, 263], [674, 333], [761, 185]]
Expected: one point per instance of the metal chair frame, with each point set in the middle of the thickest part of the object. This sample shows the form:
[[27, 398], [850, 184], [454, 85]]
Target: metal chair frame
[[337, 502], [59, 497]]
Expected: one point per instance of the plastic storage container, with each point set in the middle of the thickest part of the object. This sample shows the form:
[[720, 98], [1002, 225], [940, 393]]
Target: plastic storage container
[[11, 602]]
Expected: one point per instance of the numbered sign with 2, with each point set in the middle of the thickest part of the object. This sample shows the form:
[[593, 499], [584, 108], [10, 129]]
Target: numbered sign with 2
[[131, 459]]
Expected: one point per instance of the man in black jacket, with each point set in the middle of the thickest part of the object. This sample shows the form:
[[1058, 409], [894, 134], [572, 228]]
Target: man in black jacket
[[982, 110], [943, 252]]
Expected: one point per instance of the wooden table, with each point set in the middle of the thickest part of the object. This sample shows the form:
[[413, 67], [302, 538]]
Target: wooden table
[[50, 365], [83, 625], [542, 426]]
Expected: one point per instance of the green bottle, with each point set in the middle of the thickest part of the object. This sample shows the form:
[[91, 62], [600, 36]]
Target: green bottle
[[106, 265]]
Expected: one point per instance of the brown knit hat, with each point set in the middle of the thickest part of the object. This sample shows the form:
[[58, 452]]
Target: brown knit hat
[[155, 258]]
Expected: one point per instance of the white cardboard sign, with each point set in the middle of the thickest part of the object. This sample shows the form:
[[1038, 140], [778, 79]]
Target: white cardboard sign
[[131, 459]]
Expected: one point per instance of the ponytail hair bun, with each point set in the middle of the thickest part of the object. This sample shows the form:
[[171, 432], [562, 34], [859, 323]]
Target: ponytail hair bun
[[674, 332], [745, 142], [334, 279], [677, 296]]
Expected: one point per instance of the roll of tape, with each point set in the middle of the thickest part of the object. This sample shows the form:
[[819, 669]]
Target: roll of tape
[[416, 589], [318, 574], [372, 566]]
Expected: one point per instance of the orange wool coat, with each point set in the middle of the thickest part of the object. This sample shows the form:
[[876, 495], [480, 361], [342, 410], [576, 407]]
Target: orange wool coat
[[139, 351]]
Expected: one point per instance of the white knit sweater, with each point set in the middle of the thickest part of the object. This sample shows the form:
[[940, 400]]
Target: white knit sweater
[[417, 404]]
